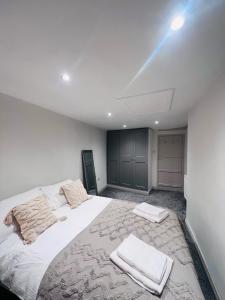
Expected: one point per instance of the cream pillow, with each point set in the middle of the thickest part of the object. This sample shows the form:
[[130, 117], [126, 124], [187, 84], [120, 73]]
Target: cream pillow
[[32, 218], [64, 183], [7, 204], [75, 193]]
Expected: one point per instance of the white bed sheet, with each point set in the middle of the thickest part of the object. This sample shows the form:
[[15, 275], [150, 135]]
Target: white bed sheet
[[23, 266]]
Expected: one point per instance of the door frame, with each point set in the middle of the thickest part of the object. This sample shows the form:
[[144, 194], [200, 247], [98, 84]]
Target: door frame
[[166, 133]]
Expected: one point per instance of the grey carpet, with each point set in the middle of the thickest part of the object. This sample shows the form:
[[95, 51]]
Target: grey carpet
[[176, 202]]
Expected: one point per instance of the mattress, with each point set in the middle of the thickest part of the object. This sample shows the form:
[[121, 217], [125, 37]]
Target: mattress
[[72, 259]]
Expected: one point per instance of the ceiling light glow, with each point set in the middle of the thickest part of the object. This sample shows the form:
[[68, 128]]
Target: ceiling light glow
[[124, 126], [177, 23], [156, 122], [66, 77], [109, 114]]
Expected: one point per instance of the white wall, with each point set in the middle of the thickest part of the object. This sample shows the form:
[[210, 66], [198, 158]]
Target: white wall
[[206, 182], [39, 147]]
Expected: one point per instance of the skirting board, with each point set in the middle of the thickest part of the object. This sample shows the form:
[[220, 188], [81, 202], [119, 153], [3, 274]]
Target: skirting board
[[128, 189], [168, 188], [193, 236]]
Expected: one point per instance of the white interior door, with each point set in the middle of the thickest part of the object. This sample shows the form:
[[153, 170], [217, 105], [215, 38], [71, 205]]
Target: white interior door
[[171, 161]]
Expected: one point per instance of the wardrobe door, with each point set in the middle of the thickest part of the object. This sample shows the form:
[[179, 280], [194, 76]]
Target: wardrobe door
[[113, 146], [126, 158], [140, 158]]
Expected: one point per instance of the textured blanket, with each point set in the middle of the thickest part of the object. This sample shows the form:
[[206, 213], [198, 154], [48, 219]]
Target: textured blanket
[[83, 269]]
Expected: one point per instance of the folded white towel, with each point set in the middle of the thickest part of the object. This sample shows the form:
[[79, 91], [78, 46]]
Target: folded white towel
[[141, 279], [150, 217], [143, 257], [150, 209]]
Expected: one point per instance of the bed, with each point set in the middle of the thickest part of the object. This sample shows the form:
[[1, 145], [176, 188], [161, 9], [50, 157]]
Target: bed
[[71, 259]]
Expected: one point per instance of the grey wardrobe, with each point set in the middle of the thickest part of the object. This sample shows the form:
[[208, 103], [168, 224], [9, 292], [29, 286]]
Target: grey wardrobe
[[127, 158]]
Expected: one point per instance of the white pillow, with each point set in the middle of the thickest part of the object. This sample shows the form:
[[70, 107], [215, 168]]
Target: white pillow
[[55, 199], [7, 204]]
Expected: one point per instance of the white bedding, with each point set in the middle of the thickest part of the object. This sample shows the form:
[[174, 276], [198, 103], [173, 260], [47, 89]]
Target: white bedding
[[23, 266]]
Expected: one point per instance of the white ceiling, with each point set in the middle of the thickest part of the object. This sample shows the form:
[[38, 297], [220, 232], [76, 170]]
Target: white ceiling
[[103, 44]]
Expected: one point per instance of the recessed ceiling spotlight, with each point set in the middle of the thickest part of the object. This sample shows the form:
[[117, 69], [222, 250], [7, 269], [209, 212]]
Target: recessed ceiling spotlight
[[109, 114], [177, 23], [124, 126], [156, 122], [65, 77]]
